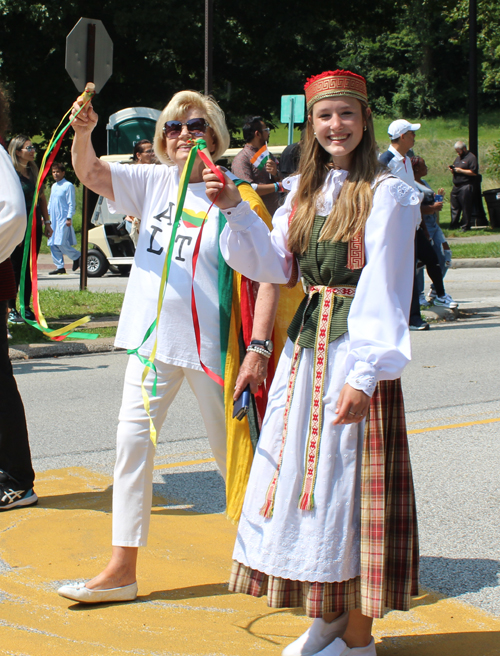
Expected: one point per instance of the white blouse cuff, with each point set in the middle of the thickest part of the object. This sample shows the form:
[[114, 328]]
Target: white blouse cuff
[[362, 377], [240, 217]]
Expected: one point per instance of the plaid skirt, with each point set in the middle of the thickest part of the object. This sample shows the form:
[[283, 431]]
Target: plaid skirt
[[389, 533]]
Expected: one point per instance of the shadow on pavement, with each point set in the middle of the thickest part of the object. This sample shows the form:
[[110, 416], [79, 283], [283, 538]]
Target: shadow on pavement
[[456, 576]]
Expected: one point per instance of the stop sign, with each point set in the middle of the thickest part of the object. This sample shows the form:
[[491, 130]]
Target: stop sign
[[77, 55]]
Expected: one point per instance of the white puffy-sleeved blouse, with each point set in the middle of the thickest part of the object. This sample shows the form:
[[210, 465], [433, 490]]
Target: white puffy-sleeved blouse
[[379, 339]]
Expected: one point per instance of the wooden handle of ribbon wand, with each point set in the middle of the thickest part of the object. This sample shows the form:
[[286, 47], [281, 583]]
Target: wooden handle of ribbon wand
[[88, 93]]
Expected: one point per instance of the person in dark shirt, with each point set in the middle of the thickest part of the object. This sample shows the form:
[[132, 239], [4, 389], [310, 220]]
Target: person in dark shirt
[[464, 170]]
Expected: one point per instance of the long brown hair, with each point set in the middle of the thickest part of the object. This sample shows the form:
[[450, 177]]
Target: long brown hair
[[354, 203]]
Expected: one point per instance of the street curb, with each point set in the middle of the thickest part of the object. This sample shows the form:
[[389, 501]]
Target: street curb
[[60, 349], [476, 263]]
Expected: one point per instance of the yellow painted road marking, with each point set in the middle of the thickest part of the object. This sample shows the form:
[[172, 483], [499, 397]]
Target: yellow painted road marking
[[184, 606], [465, 423], [184, 463]]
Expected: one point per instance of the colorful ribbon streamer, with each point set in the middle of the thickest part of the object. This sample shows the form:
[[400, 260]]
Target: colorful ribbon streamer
[[30, 245], [198, 147]]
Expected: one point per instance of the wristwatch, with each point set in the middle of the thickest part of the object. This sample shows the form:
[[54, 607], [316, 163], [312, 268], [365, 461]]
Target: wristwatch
[[266, 344]]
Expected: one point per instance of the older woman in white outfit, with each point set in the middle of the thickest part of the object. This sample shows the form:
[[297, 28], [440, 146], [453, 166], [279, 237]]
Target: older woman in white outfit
[[328, 521], [151, 192]]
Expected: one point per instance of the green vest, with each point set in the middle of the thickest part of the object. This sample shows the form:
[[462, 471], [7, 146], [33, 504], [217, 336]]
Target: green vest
[[323, 263]]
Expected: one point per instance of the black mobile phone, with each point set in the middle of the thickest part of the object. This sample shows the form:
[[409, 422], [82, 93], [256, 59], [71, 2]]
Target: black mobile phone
[[242, 404]]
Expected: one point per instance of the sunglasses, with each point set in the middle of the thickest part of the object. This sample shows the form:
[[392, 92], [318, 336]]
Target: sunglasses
[[195, 126], [30, 149]]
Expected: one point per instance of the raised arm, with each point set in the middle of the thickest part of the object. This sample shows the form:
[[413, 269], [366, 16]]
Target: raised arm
[[90, 170]]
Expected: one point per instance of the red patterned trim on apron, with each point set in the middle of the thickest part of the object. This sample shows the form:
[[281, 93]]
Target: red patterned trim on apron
[[356, 252], [306, 501]]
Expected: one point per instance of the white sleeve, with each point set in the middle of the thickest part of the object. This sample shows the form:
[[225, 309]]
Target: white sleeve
[[248, 247], [378, 319], [71, 197], [129, 188], [12, 207]]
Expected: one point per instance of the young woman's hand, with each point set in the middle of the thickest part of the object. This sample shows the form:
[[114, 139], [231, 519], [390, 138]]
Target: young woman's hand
[[224, 196], [352, 406]]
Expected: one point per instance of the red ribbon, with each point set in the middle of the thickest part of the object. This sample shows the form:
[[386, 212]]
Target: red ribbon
[[196, 252]]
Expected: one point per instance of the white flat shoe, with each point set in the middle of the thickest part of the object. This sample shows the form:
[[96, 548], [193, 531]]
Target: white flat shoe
[[339, 648], [317, 637], [78, 592]]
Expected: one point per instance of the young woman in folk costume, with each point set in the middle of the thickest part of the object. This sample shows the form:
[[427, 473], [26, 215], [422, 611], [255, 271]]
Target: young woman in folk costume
[[328, 521]]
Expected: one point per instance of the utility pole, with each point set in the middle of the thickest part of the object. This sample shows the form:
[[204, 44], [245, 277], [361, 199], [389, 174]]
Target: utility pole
[[473, 119], [209, 20]]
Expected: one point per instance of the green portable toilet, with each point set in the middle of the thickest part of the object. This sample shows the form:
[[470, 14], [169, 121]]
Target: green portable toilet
[[128, 126]]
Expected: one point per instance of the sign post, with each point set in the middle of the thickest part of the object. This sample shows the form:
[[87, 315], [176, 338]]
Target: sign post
[[89, 58], [292, 111]]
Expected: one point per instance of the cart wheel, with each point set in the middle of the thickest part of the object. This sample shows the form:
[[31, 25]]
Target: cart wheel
[[97, 264]]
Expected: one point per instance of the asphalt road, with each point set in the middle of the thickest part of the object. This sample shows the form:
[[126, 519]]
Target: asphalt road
[[451, 386]]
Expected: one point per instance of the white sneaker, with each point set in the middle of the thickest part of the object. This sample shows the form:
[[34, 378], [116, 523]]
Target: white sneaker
[[318, 635], [445, 301], [339, 648]]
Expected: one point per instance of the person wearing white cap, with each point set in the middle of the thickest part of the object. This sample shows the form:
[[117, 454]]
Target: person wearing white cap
[[402, 134]]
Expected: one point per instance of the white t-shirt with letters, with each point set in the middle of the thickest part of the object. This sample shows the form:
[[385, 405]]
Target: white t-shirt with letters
[[150, 192]]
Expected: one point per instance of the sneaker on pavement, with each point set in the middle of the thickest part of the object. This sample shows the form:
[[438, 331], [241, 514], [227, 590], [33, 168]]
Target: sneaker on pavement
[[445, 301], [421, 326], [15, 317], [76, 264], [10, 498], [55, 272]]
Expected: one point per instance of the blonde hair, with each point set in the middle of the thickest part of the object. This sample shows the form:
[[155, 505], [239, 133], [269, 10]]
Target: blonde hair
[[354, 203], [178, 107], [15, 145]]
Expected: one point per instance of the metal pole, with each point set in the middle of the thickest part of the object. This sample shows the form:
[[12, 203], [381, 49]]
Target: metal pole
[[209, 19], [86, 209], [473, 120], [290, 122]]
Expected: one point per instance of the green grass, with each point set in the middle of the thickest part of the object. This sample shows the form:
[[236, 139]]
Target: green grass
[[476, 232], [490, 249], [61, 306]]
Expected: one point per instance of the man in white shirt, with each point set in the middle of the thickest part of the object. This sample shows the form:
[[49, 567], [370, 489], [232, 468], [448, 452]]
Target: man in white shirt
[[402, 134]]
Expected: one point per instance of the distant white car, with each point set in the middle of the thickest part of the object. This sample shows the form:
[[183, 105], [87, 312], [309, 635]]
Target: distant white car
[[110, 245]]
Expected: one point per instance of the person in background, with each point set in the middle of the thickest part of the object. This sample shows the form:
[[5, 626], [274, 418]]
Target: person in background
[[290, 157], [402, 134], [430, 208], [22, 153], [16, 470], [464, 170], [143, 152], [265, 179], [62, 206]]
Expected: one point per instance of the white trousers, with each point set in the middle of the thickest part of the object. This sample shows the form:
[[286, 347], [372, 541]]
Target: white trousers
[[133, 476]]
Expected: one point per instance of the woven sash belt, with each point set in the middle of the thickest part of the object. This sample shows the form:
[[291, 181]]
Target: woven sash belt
[[306, 500]]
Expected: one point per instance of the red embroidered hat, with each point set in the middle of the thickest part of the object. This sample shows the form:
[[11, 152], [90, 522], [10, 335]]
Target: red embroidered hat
[[335, 83]]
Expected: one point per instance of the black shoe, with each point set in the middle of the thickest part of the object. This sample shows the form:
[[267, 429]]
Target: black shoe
[[15, 317], [464, 228], [76, 264], [29, 314], [421, 326], [56, 271], [10, 498]]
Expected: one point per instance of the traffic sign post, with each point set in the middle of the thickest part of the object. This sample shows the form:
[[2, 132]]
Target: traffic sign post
[[89, 58], [292, 111]]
